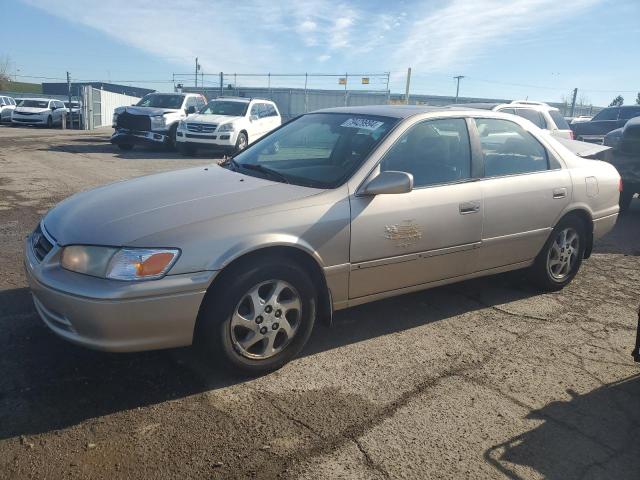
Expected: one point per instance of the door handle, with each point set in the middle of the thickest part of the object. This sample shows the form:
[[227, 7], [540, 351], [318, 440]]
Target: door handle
[[469, 207], [559, 193]]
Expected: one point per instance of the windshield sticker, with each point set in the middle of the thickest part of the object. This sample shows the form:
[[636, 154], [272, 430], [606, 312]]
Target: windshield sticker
[[362, 123]]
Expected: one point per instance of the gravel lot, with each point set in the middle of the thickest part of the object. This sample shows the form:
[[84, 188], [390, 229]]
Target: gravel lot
[[484, 379]]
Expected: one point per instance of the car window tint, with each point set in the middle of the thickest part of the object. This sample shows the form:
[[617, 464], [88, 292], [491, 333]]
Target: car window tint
[[271, 111], [607, 114], [559, 120], [255, 110], [433, 152], [533, 116], [512, 111], [508, 149], [3, 101], [630, 112]]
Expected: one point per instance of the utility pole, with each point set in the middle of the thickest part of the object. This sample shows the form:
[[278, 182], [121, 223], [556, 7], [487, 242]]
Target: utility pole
[[573, 101], [406, 92], [197, 68], [69, 95], [221, 82], [458, 78]]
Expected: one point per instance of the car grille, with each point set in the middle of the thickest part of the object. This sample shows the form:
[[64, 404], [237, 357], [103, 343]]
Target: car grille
[[40, 243], [134, 122], [201, 127], [25, 113]]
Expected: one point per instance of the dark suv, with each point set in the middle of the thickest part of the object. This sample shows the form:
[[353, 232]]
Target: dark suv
[[605, 121], [625, 143]]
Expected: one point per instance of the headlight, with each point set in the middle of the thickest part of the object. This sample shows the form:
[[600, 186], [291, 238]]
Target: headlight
[[227, 127], [119, 264], [158, 122]]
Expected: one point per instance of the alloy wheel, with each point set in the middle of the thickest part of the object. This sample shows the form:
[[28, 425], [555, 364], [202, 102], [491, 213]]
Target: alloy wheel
[[563, 254]]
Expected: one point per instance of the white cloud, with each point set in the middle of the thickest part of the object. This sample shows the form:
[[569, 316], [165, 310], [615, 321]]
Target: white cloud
[[324, 58], [307, 26]]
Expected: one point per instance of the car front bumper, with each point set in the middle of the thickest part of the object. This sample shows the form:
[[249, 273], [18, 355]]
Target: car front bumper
[[114, 315], [28, 119], [136, 137], [225, 141]]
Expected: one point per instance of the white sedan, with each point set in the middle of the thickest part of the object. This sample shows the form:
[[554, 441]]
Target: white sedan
[[39, 111]]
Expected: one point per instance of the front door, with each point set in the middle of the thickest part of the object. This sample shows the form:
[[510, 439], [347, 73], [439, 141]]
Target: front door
[[428, 234]]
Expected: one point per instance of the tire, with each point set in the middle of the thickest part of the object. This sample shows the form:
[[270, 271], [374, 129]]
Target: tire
[[625, 200], [241, 142], [49, 122], [222, 335], [125, 146], [173, 144], [556, 265]]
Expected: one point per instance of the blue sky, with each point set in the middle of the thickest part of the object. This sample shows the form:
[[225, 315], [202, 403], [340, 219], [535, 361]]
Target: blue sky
[[538, 49]]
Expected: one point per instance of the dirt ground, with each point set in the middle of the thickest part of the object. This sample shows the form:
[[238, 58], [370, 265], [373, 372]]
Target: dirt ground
[[484, 379]]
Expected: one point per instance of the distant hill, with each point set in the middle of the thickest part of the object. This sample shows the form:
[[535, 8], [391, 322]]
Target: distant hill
[[21, 87]]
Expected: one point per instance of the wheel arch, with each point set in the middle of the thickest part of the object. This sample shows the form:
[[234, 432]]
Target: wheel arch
[[301, 254], [585, 216]]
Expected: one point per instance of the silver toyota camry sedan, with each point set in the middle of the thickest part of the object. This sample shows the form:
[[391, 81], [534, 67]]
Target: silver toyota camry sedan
[[336, 208]]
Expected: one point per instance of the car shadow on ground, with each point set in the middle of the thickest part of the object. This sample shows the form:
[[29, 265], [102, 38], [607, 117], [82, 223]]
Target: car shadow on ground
[[48, 384], [625, 237], [101, 145], [595, 435]]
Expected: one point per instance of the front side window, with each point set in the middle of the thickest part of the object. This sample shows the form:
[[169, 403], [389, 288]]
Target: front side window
[[320, 150], [607, 114], [533, 116], [222, 107], [161, 101], [434, 152], [271, 111], [508, 149]]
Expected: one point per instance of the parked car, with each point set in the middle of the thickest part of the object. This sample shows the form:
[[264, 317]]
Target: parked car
[[542, 115], [603, 122], [336, 208], [227, 125], [74, 112], [578, 119], [7, 105], [39, 111], [154, 119], [625, 143]]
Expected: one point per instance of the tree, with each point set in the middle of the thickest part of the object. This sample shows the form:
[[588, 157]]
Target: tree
[[616, 102], [638, 99], [5, 63]]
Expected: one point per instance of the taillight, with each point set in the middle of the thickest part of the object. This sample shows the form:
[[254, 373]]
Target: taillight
[[620, 185]]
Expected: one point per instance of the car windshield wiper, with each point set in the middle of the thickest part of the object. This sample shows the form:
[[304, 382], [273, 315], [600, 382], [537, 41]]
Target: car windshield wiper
[[261, 168]]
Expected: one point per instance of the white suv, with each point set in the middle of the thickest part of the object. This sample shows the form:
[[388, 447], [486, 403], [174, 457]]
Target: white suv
[[7, 105], [540, 114], [227, 125]]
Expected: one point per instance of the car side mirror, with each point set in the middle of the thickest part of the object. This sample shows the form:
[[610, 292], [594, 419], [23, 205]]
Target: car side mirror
[[389, 182], [253, 118], [191, 110]]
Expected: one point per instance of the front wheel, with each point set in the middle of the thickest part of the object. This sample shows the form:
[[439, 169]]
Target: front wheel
[[259, 317], [242, 142], [49, 122], [562, 254]]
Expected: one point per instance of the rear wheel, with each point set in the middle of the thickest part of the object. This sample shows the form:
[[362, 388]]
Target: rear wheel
[[172, 137], [260, 319], [560, 258], [125, 146]]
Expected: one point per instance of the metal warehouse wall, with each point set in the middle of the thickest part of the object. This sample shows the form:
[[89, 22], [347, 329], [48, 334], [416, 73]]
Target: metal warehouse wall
[[109, 101]]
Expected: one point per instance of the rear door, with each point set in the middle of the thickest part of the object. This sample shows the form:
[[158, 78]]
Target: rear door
[[524, 191]]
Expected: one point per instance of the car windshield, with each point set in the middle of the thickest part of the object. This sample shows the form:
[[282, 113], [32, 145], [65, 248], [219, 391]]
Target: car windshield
[[34, 103], [221, 107], [161, 101], [320, 150]]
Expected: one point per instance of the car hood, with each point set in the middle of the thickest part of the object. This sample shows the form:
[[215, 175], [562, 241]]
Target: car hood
[[120, 213], [213, 119], [30, 110], [149, 111]]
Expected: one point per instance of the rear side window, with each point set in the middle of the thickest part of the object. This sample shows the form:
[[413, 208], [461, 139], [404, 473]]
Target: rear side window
[[559, 120], [631, 112], [607, 114], [533, 116], [270, 110], [508, 149]]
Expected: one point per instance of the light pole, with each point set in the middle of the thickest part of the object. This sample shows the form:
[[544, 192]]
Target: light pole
[[458, 78]]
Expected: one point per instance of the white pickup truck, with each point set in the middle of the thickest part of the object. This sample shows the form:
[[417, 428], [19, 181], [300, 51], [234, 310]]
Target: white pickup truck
[[154, 119]]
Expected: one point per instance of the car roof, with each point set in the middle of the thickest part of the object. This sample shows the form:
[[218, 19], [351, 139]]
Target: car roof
[[480, 105], [395, 111], [39, 98]]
